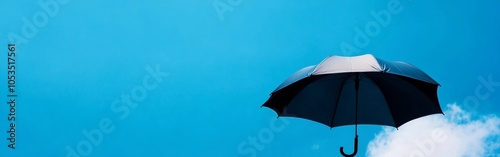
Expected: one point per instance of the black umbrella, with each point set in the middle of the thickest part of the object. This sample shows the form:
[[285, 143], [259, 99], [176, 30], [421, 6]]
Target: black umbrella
[[357, 90]]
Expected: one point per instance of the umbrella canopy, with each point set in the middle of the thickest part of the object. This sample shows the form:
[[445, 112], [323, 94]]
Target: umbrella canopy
[[357, 90]]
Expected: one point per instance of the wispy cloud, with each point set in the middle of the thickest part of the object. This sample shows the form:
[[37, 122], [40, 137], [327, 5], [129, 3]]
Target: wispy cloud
[[457, 134]]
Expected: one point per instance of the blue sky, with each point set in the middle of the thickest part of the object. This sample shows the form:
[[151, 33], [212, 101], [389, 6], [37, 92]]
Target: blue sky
[[216, 72]]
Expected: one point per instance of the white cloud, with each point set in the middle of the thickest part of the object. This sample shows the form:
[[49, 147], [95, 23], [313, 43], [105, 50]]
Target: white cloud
[[457, 134]]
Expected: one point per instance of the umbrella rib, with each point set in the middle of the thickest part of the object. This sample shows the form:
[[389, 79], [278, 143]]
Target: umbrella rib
[[394, 64], [402, 77], [338, 99], [426, 95], [385, 98]]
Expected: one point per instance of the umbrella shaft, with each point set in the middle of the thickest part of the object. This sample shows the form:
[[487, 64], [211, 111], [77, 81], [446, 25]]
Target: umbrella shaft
[[356, 85]]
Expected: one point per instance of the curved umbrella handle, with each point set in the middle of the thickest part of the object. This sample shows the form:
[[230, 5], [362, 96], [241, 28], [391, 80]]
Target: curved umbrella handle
[[355, 149]]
